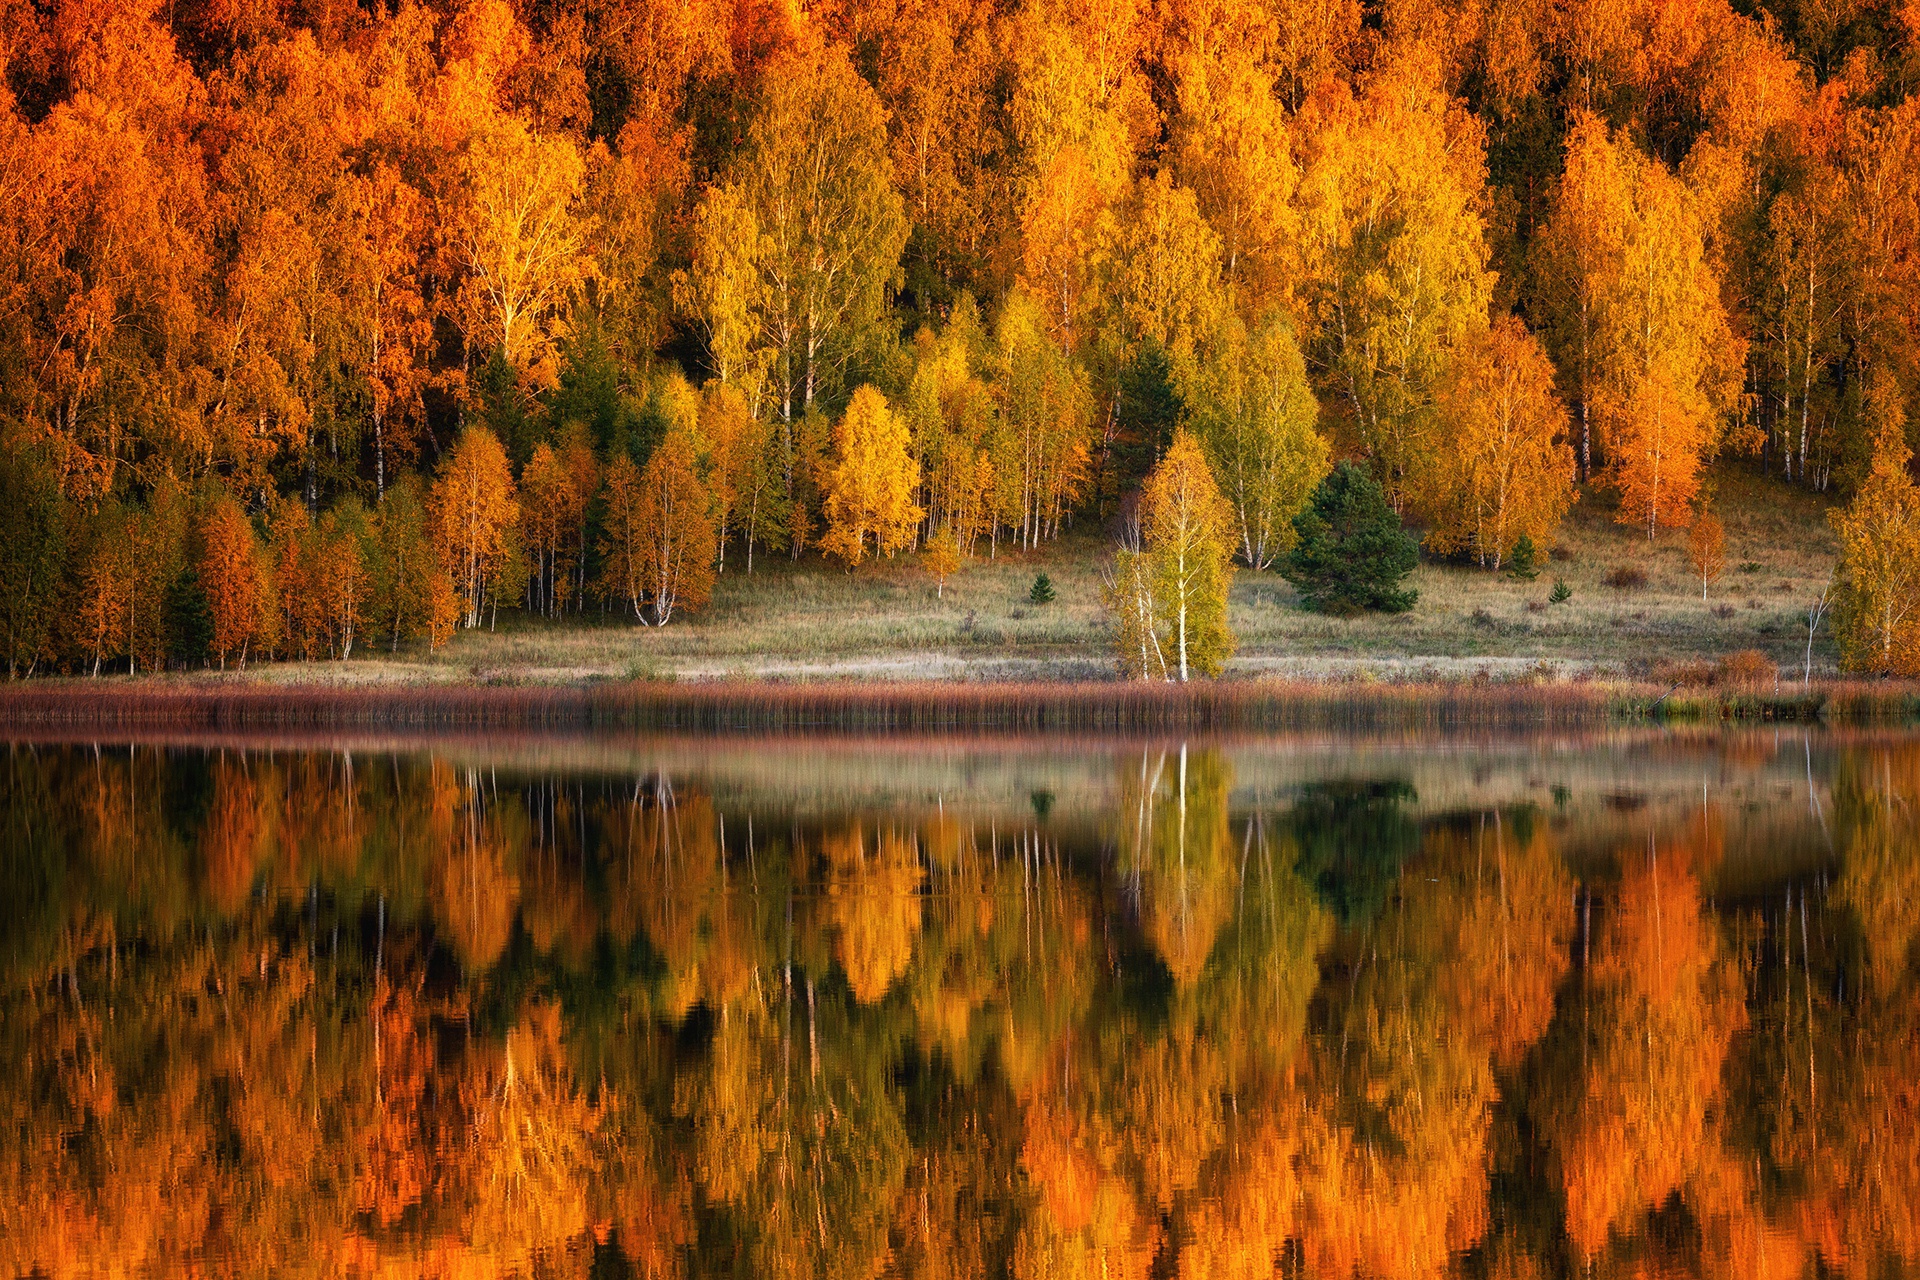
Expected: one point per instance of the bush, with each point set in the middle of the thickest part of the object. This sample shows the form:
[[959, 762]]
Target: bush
[[1351, 552], [1042, 592], [1561, 592], [1626, 577], [1747, 668], [1693, 674]]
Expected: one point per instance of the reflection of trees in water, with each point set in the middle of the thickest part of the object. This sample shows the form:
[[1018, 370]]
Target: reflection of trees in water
[[1629, 1105], [402, 1016]]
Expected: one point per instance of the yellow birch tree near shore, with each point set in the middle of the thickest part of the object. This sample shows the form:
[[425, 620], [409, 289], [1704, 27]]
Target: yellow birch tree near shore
[[1169, 599]]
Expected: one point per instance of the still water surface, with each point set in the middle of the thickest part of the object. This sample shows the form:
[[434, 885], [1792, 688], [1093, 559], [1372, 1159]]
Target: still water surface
[[1633, 1005]]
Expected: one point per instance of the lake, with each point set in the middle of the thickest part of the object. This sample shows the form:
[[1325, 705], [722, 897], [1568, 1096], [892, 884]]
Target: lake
[[1619, 1003]]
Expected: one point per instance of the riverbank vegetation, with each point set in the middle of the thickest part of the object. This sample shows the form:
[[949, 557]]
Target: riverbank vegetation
[[1706, 694], [328, 332]]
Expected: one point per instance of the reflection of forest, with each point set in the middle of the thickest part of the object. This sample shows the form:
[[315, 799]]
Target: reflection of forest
[[323, 1013]]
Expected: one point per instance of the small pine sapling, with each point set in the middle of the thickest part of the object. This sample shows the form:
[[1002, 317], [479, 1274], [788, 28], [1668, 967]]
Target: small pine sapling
[[1042, 592]]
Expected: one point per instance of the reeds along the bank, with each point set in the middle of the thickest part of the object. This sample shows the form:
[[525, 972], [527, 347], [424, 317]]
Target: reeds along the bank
[[862, 708], [1263, 705]]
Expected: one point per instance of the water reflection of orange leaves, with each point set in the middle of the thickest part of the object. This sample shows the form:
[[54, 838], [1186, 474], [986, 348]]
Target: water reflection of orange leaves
[[232, 834], [1175, 1109], [652, 1220], [1238, 1229], [1085, 1224], [476, 887], [1878, 797], [1403, 1209], [322, 814], [1508, 906], [1739, 1241], [392, 1171], [732, 1108], [670, 877], [1174, 837], [1394, 1164], [555, 908], [266, 1053], [873, 905], [1860, 1163], [1630, 1119], [533, 1147]]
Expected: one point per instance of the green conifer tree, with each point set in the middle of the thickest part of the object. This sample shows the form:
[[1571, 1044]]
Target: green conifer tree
[[1352, 552]]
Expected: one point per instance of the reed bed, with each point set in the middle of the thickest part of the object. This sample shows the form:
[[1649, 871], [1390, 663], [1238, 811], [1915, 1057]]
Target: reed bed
[[936, 707], [930, 707]]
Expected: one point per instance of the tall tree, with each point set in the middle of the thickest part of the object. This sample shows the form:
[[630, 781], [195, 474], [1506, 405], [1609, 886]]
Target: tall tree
[[231, 568], [1646, 340], [523, 243], [474, 515], [622, 535], [870, 481], [1158, 265], [814, 173], [1877, 601], [1256, 419], [679, 542], [1232, 148], [1043, 451], [1502, 468], [1189, 532], [33, 554], [720, 289], [1393, 234]]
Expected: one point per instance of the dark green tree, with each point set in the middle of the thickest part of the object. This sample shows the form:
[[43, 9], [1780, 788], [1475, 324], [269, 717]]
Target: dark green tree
[[1042, 592], [189, 619], [1352, 552], [33, 553], [1523, 563], [1149, 407]]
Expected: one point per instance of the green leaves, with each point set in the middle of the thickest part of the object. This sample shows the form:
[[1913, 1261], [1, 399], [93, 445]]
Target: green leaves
[[1352, 552]]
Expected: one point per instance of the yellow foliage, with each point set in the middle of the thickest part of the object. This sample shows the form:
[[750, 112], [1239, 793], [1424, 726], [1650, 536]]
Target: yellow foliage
[[1505, 468], [870, 481]]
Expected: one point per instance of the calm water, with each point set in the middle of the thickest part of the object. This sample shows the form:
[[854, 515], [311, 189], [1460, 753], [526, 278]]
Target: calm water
[[1613, 1006]]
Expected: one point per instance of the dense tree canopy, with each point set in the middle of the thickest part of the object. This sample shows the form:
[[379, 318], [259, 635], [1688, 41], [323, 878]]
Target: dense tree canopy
[[261, 256]]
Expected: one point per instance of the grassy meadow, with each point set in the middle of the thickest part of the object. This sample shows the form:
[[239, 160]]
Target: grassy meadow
[[813, 620]]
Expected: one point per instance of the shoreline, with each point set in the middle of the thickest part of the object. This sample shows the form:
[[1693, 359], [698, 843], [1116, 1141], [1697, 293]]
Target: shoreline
[[940, 706]]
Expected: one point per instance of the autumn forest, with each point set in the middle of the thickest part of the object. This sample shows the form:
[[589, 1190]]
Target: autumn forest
[[326, 327]]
